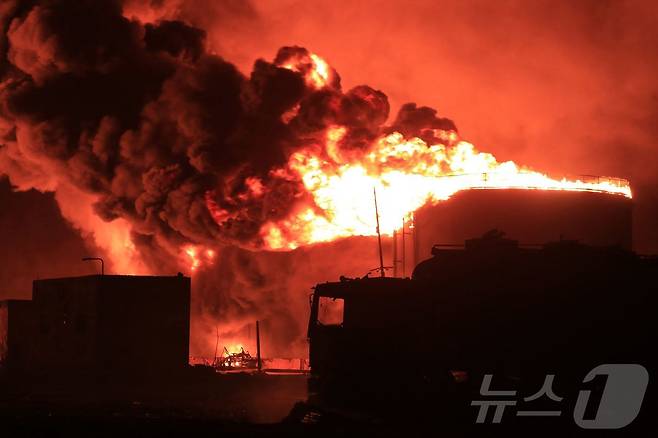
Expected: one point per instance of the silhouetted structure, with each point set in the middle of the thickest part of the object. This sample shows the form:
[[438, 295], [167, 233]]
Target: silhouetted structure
[[490, 306], [101, 325], [15, 331], [529, 216]]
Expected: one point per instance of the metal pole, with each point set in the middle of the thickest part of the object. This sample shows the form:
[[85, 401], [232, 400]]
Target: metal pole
[[404, 251], [379, 236], [216, 345], [414, 240], [395, 252], [260, 363]]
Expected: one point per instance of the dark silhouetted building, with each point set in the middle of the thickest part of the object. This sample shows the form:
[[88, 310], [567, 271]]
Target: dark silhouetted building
[[100, 325], [15, 330]]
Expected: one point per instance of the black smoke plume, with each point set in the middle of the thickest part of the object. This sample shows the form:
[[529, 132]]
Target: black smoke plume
[[139, 124]]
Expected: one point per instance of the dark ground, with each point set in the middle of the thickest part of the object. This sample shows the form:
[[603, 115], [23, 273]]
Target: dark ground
[[208, 404], [238, 404]]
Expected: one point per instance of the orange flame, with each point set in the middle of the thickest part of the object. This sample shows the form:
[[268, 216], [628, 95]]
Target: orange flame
[[196, 256], [233, 348], [406, 173], [317, 72]]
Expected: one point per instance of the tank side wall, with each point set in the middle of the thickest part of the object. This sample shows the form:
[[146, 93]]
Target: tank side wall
[[529, 216]]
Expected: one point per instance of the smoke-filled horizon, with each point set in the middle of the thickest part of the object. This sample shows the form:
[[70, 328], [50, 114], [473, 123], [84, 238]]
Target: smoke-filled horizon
[[165, 156], [157, 125]]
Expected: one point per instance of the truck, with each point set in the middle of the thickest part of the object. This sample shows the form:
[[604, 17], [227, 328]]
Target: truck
[[492, 306]]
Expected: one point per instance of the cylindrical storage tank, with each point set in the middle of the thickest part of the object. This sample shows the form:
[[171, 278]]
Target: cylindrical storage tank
[[529, 216]]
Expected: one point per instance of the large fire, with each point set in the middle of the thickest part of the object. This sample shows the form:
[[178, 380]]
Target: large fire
[[406, 173], [166, 156]]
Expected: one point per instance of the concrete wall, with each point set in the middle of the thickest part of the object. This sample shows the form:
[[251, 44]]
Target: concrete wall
[[111, 324], [66, 312], [144, 320]]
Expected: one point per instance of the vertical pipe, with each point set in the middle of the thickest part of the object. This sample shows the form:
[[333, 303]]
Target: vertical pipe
[[379, 236], [260, 363], [414, 240], [395, 252], [214, 362], [404, 252]]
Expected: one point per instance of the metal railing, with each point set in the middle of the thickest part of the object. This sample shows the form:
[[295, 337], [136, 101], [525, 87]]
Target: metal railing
[[585, 183]]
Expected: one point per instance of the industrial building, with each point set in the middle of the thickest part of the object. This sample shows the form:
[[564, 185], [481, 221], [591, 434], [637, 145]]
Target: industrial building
[[526, 215], [529, 216], [98, 325], [512, 282]]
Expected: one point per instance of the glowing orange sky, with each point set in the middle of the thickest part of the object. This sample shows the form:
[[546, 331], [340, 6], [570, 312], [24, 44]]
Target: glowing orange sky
[[563, 86]]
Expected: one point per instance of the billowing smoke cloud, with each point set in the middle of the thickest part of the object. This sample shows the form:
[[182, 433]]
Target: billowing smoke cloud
[[144, 118], [138, 129]]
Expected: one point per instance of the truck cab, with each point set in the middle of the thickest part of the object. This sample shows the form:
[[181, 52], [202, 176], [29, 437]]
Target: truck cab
[[369, 338]]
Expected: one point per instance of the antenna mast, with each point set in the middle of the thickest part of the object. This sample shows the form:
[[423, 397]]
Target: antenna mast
[[379, 236], [216, 345]]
